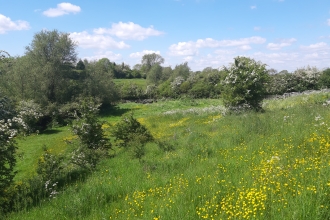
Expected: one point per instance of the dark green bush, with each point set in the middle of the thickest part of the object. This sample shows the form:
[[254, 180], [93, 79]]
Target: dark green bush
[[129, 130]]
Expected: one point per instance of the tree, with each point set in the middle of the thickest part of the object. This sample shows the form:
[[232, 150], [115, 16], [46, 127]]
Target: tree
[[182, 70], [52, 53], [80, 65], [7, 148], [149, 60], [245, 83], [99, 81], [155, 74], [324, 79]]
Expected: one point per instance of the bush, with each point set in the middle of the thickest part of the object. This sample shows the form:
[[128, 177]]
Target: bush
[[129, 130], [7, 158], [28, 116], [93, 144], [245, 83]]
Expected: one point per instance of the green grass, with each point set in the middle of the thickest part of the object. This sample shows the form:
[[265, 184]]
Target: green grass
[[271, 165]]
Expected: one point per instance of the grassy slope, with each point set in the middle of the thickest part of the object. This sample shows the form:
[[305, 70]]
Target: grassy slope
[[272, 165]]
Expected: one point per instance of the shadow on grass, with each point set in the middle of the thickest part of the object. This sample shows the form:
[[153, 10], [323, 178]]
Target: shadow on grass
[[50, 131], [113, 111]]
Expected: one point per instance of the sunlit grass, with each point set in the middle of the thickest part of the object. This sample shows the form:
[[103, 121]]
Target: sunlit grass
[[271, 165]]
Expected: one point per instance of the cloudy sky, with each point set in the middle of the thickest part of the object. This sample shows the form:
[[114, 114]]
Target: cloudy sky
[[284, 34]]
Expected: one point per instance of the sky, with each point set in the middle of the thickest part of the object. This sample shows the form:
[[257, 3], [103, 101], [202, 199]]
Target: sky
[[284, 34]]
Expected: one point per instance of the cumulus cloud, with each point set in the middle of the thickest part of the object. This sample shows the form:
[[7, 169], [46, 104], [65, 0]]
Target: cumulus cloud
[[62, 9], [106, 54], [129, 30], [282, 43], [184, 49], [316, 46], [140, 54], [6, 24], [86, 40], [253, 7], [190, 48], [245, 47]]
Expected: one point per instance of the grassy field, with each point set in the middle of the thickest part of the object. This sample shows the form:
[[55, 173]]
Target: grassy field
[[271, 165]]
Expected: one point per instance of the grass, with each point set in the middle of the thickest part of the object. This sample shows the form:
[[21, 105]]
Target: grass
[[272, 165]]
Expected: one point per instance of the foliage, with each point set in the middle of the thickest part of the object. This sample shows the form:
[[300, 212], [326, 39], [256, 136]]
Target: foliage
[[131, 91], [151, 91], [149, 60], [306, 78], [324, 79], [245, 83], [7, 156], [129, 129], [181, 70], [201, 90], [52, 54], [155, 74], [49, 170], [80, 65], [93, 144], [28, 116], [99, 82], [7, 108]]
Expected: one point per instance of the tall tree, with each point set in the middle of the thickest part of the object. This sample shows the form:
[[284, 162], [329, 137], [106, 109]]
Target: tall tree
[[149, 60], [182, 70], [80, 65], [52, 54], [155, 74]]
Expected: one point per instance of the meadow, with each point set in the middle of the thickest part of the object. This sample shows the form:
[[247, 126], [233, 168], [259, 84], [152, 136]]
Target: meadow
[[211, 165]]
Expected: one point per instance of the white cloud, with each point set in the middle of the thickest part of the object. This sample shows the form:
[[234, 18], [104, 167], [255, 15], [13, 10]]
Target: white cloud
[[140, 54], [282, 43], [328, 22], [312, 56], [107, 54], [224, 52], [245, 47], [86, 40], [62, 9], [253, 7], [183, 49], [6, 24], [190, 48], [257, 28], [129, 30], [316, 46]]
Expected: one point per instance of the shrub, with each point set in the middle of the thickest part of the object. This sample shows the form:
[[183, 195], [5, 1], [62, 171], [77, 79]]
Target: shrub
[[245, 83], [49, 171], [29, 113], [129, 130], [93, 144], [7, 158]]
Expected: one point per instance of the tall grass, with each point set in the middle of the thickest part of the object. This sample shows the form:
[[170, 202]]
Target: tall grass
[[271, 165]]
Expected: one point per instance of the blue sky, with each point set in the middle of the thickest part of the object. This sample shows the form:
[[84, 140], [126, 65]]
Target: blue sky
[[284, 34]]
